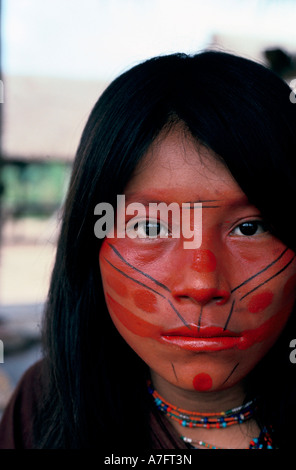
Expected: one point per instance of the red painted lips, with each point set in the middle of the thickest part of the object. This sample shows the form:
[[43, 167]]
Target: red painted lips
[[193, 338]]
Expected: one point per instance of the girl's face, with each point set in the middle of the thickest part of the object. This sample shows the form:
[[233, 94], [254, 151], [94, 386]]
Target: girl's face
[[202, 317]]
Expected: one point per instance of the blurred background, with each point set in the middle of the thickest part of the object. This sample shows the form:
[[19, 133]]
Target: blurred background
[[57, 56]]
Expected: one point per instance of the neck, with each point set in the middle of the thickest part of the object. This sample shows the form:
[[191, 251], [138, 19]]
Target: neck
[[203, 402], [231, 437]]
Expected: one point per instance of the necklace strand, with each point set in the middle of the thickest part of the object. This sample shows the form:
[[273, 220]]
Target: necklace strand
[[222, 419], [264, 441], [194, 419]]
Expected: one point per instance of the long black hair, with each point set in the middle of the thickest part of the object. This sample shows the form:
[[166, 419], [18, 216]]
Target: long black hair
[[95, 391]]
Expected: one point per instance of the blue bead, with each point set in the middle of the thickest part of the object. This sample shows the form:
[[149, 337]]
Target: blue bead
[[224, 425], [184, 423]]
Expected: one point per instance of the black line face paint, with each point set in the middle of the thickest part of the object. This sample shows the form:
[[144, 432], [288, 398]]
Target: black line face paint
[[189, 335], [145, 285], [261, 271], [260, 284], [138, 270], [201, 308], [199, 318], [178, 314], [133, 279], [269, 279], [229, 315], [173, 367], [203, 207], [228, 377]]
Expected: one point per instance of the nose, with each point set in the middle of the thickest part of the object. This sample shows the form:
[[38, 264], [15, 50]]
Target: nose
[[204, 261], [201, 280]]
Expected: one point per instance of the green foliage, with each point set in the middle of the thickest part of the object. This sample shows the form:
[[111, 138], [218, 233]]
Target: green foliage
[[33, 189]]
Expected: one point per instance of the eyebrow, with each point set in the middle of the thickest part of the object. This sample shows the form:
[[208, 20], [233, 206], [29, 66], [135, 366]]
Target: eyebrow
[[192, 205], [241, 201], [159, 196], [148, 199]]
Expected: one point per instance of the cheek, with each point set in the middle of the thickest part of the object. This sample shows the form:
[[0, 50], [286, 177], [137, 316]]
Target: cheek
[[116, 285], [268, 331], [290, 287], [145, 300], [259, 302], [131, 321]]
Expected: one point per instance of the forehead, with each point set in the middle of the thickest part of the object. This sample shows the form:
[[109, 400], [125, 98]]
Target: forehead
[[177, 164]]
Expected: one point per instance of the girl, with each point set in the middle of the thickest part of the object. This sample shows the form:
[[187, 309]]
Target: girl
[[149, 344]]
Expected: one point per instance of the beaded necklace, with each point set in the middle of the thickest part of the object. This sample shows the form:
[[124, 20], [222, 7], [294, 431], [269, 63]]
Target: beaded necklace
[[223, 419], [194, 419], [264, 441]]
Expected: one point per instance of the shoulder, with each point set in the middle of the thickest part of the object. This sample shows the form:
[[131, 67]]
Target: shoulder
[[17, 423]]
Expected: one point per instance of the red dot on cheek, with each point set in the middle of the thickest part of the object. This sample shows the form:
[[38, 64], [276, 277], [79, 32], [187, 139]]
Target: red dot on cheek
[[205, 261], [260, 302], [202, 382], [145, 300]]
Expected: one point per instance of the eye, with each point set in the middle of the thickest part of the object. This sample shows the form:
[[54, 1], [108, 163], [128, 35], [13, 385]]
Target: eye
[[250, 228], [148, 229]]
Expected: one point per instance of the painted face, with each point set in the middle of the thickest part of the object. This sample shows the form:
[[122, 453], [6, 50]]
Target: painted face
[[201, 318]]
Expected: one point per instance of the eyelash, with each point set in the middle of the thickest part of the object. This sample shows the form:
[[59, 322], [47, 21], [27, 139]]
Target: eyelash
[[155, 226], [248, 226]]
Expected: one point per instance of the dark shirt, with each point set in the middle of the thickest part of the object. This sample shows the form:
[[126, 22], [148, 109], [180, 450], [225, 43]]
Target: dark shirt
[[17, 424]]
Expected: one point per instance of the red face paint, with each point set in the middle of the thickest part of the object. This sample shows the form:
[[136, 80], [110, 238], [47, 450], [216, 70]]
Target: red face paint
[[237, 290], [132, 322], [269, 329], [203, 296], [260, 302], [211, 339], [194, 339], [289, 287], [204, 261], [202, 382], [117, 285], [145, 300]]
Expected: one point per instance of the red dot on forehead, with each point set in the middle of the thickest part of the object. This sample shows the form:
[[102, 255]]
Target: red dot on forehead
[[260, 302], [204, 261], [202, 382], [145, 300]]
